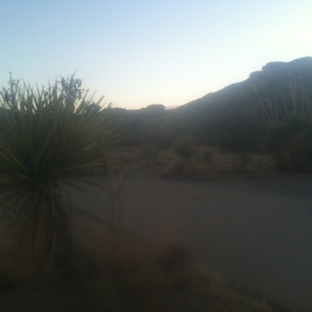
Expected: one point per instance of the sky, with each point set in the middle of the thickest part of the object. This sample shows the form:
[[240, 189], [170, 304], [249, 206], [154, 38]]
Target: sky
[[138, 53]]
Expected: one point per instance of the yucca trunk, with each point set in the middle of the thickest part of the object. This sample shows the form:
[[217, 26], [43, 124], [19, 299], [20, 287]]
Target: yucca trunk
[[44, 224]]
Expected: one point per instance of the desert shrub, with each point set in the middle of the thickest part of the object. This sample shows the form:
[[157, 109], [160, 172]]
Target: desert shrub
[[186, 158], [207, 156], [182, 168], [185, 147], [290, 144], [149, 154], [244, 159], [185, 152], [287, 113]]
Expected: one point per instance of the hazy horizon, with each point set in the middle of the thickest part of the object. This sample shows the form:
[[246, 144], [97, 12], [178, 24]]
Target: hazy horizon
[[139, 53]]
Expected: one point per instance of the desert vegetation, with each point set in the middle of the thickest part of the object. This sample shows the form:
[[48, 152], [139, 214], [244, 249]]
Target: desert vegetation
[[186, 153], [243, 118], [53, 255], [60, 135], [287, 113], [191, 159], [49, 135]]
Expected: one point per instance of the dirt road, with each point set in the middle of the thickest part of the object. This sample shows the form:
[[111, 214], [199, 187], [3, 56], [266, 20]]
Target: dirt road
[[257, 233]]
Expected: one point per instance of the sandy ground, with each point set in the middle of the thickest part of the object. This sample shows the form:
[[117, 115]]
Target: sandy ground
[[256, 232]]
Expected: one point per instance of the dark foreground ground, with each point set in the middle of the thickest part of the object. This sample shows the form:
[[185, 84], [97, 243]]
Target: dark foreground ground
[[256, 232]]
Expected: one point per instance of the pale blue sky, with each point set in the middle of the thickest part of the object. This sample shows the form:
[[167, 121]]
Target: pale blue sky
[[138, 53]]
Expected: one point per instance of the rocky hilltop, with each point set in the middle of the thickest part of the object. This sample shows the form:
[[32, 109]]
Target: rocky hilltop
[[231, 117]]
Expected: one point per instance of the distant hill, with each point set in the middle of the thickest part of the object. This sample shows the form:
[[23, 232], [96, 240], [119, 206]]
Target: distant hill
[[232, 117]]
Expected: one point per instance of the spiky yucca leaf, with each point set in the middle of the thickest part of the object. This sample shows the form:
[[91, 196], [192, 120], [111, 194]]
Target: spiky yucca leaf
[[47, 136]]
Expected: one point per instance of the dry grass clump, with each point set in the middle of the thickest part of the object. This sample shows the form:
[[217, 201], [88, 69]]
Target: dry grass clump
[[244, 163], [182, 168], [188, 162], [121, 273], [141, 157], [212, 161], [184, 162]]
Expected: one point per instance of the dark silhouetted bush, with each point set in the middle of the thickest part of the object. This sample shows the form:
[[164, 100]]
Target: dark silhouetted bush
[[185, 147], [290, 144]]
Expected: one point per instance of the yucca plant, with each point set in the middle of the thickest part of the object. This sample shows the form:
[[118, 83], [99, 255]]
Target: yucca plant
[[47, 136], [287, 111], [290, 144]]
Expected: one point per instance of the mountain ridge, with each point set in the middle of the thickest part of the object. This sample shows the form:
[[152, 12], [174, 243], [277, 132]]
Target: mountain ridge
[[231, 117]]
